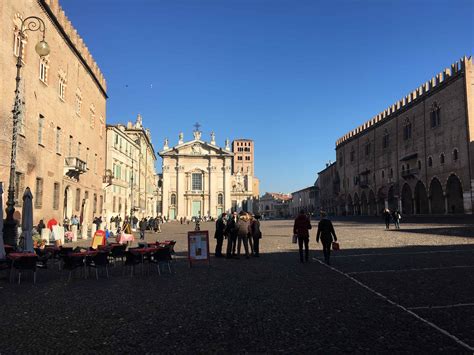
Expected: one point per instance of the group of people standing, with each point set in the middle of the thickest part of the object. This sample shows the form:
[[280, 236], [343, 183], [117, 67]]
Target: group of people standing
[[325, 233], [238, 228]]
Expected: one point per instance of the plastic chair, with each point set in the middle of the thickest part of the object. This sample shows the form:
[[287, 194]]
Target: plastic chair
[[72, 263], [131, 260], [22, 264], [97, 261], [162, 256], [118, 252], [43, 258]]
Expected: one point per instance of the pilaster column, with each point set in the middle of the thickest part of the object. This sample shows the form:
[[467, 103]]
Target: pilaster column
[[164, 191], [227, 185], [180, 190], [212, 191], [446, 207]]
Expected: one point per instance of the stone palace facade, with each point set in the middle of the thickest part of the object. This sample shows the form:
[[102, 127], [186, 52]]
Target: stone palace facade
[[199, 179], [416, 156], [61, 144]]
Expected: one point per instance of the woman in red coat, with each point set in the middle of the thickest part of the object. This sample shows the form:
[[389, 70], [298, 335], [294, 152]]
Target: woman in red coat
[[301, 229]]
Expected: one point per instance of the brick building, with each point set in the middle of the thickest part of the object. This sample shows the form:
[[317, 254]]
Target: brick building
[[61, 146], [416, 156]]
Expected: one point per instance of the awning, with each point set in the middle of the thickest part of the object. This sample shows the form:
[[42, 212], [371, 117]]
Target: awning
[[409, 157]]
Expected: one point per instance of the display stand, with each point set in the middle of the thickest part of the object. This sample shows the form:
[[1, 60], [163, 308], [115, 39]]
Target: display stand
[[98, 239], [198, 247]]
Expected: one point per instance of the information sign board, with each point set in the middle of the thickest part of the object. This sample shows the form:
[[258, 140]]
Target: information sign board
[[198, 247]]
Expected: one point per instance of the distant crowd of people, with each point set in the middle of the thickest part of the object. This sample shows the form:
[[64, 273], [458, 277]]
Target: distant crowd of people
[[239, 229]]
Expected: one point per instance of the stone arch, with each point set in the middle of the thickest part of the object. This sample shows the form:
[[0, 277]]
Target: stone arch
[[392, 201], [436, 197], [454, 194], [372, 210], [421, 199], [356, 205], [350, 205], [407, 199], [364, 206]]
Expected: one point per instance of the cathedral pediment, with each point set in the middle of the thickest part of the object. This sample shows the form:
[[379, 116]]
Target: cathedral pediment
[[195, 147]]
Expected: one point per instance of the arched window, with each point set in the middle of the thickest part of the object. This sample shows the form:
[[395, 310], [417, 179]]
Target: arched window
[[435, 117], [441, 158], [391, 172], [407, 129], [383, 174], [220, 199], [352, 154], [430, 162], [403, 168], [173, 199], [419, 164], [455, 154]]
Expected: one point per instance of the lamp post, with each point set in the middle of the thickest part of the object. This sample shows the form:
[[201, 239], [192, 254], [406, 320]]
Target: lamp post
[[31, 23]]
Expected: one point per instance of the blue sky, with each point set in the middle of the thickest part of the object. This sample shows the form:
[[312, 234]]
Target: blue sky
[[294, 75]]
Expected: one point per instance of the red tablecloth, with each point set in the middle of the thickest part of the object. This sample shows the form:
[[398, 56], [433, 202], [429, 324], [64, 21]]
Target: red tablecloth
[[15, 256], [143, 250], [124, 238], [84, 253]]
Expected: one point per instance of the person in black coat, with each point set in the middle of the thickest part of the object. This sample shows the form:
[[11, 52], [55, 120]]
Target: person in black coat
[[387, 216], [231, 233], [326, 233], [256, 234], [219, 235]]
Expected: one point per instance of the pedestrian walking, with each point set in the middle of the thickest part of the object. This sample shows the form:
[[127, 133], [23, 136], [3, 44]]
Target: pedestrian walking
[[301, 230], [219, 235], [256, 234], [327, 235], [396, 219], [66, 224], [243, 232], [231, 233], [142, 226], [387, 217]]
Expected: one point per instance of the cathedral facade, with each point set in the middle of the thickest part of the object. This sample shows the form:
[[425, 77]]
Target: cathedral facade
[[199, 179]]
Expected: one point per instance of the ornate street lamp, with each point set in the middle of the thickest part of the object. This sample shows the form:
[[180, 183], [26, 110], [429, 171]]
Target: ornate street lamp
[[33, 24]]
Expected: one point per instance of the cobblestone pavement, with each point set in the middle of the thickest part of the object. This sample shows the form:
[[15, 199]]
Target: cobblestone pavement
[[386, 291]]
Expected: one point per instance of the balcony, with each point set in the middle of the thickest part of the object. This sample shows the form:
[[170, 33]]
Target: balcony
[[410, 173], [73, 167]]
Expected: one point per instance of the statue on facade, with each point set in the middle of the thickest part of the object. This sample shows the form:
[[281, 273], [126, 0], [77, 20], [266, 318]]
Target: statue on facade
[[196, 149], [180, 138], [227, 144], [165, 145], [213, 138], [139, 123]]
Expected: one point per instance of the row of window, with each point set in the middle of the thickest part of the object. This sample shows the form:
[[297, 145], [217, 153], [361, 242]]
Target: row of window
[[62, 83], [220, 199], [247, 158], [243, 149], [120, 143], [243, 144], [123, 174], [70, 148], [406, 168], [435, 121], [38, 194]]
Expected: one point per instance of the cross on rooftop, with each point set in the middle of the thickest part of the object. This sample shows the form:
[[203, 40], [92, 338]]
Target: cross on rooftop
[[197, 126]]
